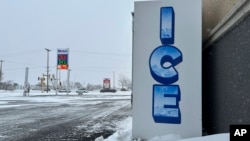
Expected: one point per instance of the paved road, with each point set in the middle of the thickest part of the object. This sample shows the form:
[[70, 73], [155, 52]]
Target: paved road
[[73, 120]]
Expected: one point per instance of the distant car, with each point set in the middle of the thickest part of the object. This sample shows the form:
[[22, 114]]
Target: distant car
[[45, 89], [64, 91], [108, 90], [123, 89], [81, 91]]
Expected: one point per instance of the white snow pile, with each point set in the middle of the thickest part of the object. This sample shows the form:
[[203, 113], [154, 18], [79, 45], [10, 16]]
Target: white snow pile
[[124, 133]]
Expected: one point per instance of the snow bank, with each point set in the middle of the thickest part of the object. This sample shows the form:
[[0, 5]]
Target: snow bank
[[124, 133], [170, 137], [217, 137]]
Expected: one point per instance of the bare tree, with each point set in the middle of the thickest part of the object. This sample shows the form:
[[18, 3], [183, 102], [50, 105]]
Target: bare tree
[[123, 81], [78, 85], [92, 87]]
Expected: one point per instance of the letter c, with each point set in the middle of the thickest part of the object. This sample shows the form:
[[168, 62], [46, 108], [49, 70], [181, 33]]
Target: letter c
[[161, 55]]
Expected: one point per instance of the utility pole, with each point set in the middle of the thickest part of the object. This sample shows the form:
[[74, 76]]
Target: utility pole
[[1, 73], [48, 50], [68, 81], [26, 83]]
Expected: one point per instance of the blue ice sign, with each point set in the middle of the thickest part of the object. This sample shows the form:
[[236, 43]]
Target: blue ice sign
[[167, 25], [162, 62], [166, 103]]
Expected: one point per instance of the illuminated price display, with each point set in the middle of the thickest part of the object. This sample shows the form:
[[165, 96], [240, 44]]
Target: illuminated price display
[[62, 59]]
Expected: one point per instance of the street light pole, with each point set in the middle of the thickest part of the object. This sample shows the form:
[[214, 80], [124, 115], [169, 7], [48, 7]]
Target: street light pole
[[48, 50], [1, 73]]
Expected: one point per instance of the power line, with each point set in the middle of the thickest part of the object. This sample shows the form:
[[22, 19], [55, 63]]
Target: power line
[[21, 53], [28, 64], [100, 53]]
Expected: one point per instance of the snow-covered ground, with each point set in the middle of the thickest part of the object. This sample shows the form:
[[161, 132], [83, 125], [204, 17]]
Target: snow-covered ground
[[124, 133], [91, 116], [45, 116]]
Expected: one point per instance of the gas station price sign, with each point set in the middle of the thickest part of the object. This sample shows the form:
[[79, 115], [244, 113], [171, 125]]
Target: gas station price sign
[[62, 58]]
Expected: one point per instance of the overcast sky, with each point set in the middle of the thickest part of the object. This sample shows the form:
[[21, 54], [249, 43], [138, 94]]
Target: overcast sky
[[98, 34]]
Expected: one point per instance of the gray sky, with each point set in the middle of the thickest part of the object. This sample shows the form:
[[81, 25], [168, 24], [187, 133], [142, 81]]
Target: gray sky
[[98, 34]]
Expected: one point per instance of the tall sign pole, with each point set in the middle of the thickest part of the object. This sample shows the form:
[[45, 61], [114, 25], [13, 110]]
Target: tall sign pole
[[56, 80], [113, 80], [68, 81], [167, 68], [48, 50], [63, 62]]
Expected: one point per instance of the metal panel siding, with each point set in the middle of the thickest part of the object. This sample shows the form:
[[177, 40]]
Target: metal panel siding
[[226, 80]]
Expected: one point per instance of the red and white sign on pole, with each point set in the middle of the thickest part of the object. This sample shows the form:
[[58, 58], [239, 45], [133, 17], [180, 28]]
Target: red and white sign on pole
[[106, 83]]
